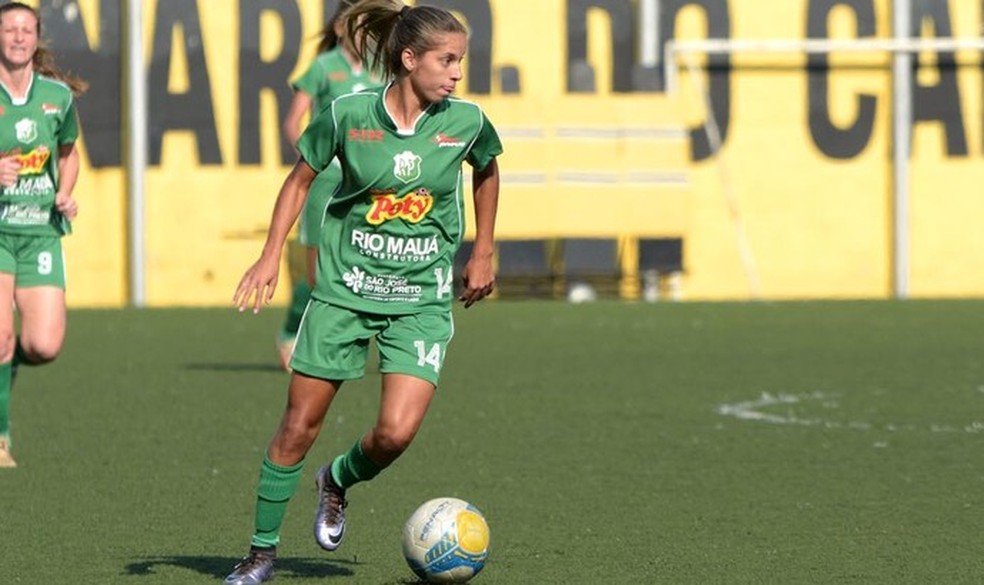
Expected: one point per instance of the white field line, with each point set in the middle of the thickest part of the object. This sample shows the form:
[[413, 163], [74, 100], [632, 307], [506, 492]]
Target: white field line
[[778, 409]]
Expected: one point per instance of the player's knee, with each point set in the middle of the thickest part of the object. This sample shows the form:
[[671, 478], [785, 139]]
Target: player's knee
[[392, 440], [296, 435], [41, 352]]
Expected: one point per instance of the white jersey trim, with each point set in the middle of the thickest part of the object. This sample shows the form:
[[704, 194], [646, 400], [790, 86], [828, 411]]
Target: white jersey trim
[[19, 101]]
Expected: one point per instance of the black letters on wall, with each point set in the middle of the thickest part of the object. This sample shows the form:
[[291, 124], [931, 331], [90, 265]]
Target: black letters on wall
[[718, 66], [187, 111], [940, 102], [255, 74], [101, 108], [328, 9], [478, 17], [838, 143], [580, 74]]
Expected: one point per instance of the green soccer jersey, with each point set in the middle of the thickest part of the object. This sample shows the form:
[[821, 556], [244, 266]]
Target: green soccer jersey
[[33, 129], [331, 75], [393, 226]]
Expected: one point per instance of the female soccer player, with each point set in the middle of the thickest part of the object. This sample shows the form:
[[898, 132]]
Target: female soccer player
[[336, 71], [38, 169], [385, 258]]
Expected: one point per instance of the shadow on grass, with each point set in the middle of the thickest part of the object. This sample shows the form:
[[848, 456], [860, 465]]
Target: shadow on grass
[[231, 367], [219, 567]]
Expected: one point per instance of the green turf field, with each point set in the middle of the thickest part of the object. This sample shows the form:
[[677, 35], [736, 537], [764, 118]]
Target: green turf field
[[684, 443]]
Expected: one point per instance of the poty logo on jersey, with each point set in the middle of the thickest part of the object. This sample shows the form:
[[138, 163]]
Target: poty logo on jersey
[[50, 109], [406, 166], [412, 207], [32, 163], [444, 141], [26, 130]]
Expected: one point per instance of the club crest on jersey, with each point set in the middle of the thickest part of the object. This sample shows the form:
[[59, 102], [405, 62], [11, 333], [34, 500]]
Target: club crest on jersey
[[26, 130], [406, 166], [412, 207]]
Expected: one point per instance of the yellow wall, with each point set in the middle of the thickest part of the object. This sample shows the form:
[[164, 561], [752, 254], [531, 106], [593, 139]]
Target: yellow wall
[[818, 227], [812, 226], [602, 164]]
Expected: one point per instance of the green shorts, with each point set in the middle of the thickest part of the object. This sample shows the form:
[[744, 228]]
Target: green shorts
[[333, 343], [33, 260], [313, 213]]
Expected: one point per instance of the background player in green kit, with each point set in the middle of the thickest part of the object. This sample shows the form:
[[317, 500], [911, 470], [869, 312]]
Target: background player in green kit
[[337, 70], [385, 258], [38, 169]]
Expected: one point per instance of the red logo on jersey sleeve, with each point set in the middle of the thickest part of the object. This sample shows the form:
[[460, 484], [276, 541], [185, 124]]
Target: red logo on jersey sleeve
[[442, 140]]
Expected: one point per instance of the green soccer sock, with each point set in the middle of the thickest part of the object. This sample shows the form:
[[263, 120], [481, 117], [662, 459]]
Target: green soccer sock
[[276, 487], [295, 311], [353, 467], [5, 401]]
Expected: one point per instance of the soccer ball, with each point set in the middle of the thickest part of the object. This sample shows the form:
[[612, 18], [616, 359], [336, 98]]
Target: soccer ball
[[581, 292], [446, 540]]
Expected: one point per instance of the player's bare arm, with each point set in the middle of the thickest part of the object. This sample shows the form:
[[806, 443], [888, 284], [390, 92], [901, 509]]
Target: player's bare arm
[[293, 124], [260, 281], [68, 173], [478, 276]]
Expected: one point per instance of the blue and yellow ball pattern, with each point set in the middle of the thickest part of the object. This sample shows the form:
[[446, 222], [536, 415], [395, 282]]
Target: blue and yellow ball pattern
[[446, 540]]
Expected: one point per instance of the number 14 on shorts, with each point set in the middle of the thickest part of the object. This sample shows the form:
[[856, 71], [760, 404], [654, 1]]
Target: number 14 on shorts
[[431, 357]]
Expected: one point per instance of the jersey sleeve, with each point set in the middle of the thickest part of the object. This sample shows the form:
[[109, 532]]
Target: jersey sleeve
[[486, 145], [319, 142], [310, 81], [68, 132]]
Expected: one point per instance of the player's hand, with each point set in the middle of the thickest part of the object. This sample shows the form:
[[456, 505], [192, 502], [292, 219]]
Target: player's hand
[[66, 205], [9, 170], [478, 280], [258, 284]]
